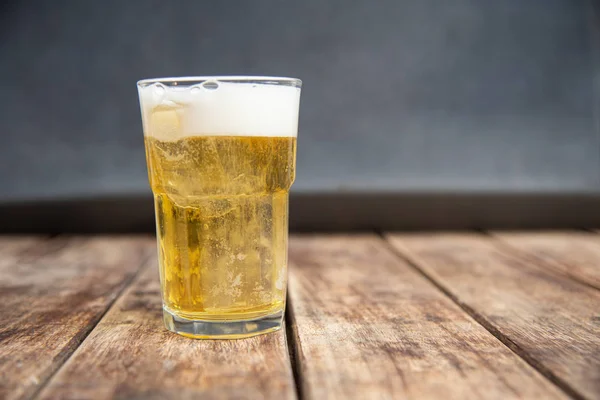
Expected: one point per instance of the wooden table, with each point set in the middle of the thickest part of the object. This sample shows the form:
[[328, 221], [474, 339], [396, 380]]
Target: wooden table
[[393, 316]]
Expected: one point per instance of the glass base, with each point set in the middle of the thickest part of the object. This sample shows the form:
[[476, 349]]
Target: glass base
[[203, 329]]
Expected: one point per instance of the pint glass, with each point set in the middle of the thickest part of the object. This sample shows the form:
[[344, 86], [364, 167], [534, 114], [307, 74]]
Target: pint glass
[[221, 154]]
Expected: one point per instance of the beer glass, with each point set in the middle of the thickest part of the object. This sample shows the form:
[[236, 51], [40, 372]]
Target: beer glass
[[221, 154]]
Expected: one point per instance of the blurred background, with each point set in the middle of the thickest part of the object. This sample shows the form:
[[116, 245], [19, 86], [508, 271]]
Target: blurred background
[[415, 114]]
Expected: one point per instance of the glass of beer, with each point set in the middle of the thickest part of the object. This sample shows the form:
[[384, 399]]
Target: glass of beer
[[221, 155]]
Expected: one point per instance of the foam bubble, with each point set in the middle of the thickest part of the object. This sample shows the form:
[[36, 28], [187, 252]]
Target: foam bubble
[[219, 108]]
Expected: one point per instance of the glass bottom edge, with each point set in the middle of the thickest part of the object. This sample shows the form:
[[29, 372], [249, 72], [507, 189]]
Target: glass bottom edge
[[224, 329]]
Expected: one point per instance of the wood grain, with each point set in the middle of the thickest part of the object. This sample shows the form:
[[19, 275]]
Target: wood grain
[[130, 355], [574, 253], [367, 326], [52, 292], [552, 321]]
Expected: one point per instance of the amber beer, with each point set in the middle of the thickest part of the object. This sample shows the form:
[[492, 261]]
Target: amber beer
[[221, 160]]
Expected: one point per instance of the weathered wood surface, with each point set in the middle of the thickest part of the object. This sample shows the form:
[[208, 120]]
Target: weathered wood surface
[[364, 322], [574, 253], [366, 325], [550, 320], [52, 293], [130, 355]]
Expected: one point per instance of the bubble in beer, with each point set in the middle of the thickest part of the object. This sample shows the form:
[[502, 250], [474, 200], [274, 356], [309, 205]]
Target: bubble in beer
[[210, 85]]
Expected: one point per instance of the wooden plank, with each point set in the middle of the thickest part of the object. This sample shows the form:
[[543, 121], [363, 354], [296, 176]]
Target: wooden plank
[[12, 249], [574, 253], [131, 355], [550, 320], [52, 292], [367, 326]]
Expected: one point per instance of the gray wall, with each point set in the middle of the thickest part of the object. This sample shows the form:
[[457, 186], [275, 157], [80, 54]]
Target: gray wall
[[399, 96]]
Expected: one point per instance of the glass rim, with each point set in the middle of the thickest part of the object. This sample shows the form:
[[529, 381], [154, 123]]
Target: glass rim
[[196, 80]]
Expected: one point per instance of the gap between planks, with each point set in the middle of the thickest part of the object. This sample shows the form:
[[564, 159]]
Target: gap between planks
[[291, 333]]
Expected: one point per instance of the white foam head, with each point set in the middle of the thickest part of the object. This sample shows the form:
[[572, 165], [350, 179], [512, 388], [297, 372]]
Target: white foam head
[[175, 108]]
